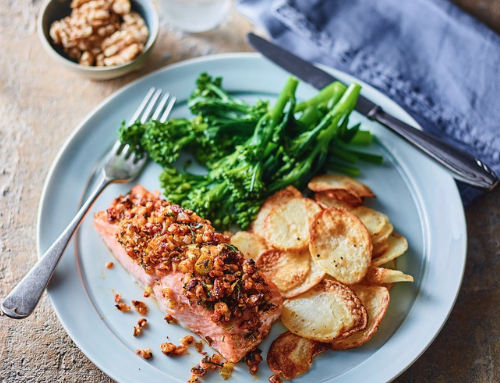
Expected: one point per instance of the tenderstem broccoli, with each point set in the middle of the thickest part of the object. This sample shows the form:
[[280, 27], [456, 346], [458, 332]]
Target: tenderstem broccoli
[[250, 151]]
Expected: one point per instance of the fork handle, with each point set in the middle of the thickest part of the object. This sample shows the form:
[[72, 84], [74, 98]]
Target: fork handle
[[23, 299]]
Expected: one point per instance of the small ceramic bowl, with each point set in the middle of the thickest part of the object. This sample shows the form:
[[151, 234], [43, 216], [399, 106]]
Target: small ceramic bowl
[[54, 10]]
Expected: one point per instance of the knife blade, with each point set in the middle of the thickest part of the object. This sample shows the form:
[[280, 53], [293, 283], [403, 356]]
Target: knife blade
[[462, 165]]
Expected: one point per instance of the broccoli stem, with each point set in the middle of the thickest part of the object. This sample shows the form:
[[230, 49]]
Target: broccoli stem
[[224, 95], [346, 169], [343, 154], [369, 157], [362, 137], [214, 103], [329, 92], [363, 156], [284, 97], [343, 107], [266, 125], [323, 134], [310, 116], [269, 126]]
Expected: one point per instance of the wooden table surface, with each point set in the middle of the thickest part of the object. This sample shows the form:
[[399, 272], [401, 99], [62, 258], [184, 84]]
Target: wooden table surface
[[40, 104]]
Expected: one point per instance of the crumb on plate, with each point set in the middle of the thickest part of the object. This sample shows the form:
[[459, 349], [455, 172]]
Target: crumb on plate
[[140, 307], [141, 323], [199, 346], [123, 307], [171, 349], [170, 319], [148, 291], [253, 358], [145, 353]]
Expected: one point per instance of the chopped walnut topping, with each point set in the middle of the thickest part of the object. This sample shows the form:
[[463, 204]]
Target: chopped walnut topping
[[199, 346], [198, 371], [274, 379], [163, 237], [109, 265], [211, 363], [170, 319], [209, 340], [188, 339], [148, 291], [171, 349], [221, 311], [140, 307], [145, 353], [141, 323], [166, 293], [123, 307], [137, 331], [253, 358], [118, 298]]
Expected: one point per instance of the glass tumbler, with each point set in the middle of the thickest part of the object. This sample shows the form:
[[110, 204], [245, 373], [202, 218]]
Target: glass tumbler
[[195, 15]]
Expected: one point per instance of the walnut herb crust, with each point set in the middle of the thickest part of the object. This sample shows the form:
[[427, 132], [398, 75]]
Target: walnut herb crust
[[163, 238]]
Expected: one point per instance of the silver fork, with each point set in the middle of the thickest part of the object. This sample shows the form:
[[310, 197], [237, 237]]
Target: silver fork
[[121, 165]]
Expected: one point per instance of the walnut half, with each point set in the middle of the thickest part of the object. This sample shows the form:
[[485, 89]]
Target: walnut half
[[101, 32]]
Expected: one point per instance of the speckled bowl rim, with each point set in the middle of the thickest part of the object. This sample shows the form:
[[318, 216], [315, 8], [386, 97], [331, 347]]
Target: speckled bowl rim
[[153, 35]]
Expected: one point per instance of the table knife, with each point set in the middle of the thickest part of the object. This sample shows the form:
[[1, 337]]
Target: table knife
[[462, 165]]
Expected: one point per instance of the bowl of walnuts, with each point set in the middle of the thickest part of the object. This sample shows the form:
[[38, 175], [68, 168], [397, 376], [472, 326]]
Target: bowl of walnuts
[[99, 39]]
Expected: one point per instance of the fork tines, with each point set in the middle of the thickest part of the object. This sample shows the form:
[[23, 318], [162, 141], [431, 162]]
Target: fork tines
[[153, 107]]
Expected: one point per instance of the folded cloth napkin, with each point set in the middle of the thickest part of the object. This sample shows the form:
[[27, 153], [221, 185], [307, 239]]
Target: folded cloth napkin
[[435, 61]]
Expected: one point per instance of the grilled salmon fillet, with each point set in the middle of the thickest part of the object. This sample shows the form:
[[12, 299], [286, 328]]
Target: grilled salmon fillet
[[196, 275]]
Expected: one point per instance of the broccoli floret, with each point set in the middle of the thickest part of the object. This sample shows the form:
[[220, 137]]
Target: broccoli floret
[[176, 186], [163, 141], [208, 198], [209, 99], [250, 151], [220, 139], [132, 135], [246, 211]]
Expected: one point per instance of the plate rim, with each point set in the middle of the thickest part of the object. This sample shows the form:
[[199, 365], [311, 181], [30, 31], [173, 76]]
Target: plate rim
[[77, 130]]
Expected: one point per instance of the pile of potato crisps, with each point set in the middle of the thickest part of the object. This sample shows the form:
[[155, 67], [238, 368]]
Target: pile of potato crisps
[[333, 260]]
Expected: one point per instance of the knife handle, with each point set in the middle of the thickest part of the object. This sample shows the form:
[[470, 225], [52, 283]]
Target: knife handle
[[466, 167]]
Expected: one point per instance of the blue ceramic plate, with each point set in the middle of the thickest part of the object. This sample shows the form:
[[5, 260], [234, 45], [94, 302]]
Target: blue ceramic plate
[[420, 199]]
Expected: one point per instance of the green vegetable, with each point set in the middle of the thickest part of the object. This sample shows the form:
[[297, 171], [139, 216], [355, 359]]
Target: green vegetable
[[362, 137], [209, 99], [250, 151], [339, 167], [350, 150], [315, 142], [162, 141]]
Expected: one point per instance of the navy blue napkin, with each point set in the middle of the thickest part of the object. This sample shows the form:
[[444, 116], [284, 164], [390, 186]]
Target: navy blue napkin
[[434, 60]]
